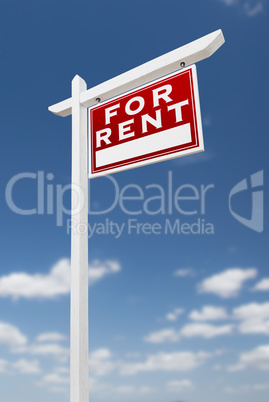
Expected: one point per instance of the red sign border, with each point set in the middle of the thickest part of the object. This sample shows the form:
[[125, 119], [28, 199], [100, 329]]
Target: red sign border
[[163, 154]]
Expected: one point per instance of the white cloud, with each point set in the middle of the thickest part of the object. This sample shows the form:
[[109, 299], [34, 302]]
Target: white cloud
[[230, 2], [205, 330], [101, 362], [50, 336], [124, 389], [177, 361], [130, 389], [10, 335], [263, 285], [55, 383], [21, 366], [98, 270], [252, 310], [3, 365], [243, 389], [55, 378], [59, 383], [101, 354], [144, 390], [209, 313], [192, 330], [173, 315], [184, 272], [217, 367], [256, 359], [59, 390], [227, 283], [53, 284], [235, 367], [251, 11], [219, 352], [108, 390], [178, 386], [250, 7], [96, 386], [21, 284], [51, 349], [165, 335], [254, 318], [62, 369], [27, 367], [260, 387]]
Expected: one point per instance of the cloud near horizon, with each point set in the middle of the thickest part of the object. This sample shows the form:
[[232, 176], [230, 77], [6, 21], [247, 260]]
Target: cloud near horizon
[[228, 283], [10, 335], [209, 313], [55, 283], [262, 286], [193, 330], [257, 358], [22, 366]]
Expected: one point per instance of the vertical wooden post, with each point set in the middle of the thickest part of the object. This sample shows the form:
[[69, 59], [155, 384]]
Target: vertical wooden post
[[79, 372]]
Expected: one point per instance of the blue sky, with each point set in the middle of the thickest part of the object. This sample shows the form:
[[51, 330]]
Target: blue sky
[[173, 316]]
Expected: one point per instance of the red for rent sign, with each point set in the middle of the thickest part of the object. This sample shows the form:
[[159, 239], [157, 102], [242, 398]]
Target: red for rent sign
[[158, 121]]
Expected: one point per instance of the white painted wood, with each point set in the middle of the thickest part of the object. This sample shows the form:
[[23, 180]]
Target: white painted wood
[[141, 146], [79, 372], [63, 108], [166, 64]]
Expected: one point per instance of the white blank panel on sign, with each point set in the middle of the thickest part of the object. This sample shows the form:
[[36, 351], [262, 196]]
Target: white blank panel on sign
[[142, 146]]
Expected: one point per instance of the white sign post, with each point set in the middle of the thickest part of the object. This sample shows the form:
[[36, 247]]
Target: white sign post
[[77, 106], [79, 384]]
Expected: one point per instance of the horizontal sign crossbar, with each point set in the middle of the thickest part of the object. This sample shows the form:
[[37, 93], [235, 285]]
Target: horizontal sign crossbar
[[154, 69]]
